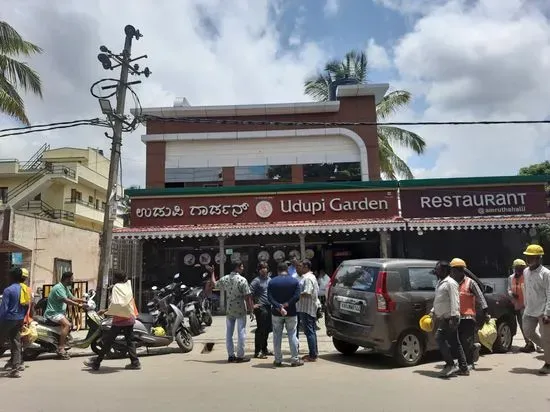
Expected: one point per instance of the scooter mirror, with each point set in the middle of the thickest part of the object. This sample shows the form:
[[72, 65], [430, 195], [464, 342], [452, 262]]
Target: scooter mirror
[[154, 288]]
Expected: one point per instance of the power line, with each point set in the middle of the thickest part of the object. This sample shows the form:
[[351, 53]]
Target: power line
[[250, 122], [50, 126]]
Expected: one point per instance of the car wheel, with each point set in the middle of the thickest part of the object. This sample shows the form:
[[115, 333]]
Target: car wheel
[[344, 348], [409, 349], [505, 337]]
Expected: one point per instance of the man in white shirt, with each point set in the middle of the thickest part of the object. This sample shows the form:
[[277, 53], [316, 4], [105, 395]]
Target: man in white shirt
[[307, 308], [323, 280], [537, 302], [446, 311]]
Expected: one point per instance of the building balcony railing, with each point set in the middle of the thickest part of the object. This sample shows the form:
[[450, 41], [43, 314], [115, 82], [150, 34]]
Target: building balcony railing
[[84, 203]]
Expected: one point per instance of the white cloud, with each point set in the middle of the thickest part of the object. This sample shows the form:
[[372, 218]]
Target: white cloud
[[377, 56], [484, 61], [331, 7], [210, 51]]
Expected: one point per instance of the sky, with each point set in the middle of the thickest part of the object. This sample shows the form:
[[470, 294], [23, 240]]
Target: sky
[[463, 60]]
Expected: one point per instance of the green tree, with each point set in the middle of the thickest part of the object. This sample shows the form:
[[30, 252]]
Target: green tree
[[536, 169], [15, 75], [543, 231], [354, 67]]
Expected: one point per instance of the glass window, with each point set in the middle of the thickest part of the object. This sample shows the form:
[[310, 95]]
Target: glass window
[[422, 279], [357, 277]]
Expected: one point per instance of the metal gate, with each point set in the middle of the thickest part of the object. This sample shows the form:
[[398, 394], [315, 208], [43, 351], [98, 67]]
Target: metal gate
[[75, 316], [127, 256]]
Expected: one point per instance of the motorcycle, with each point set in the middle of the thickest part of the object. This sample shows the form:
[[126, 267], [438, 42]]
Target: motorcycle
[[160, 327], [49, 332]]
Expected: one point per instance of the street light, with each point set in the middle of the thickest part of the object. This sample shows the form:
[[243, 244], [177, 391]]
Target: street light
[[106, 107]]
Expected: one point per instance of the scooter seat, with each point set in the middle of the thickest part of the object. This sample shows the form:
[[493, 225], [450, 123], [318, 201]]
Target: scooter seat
[[43, 321], [146, 318]]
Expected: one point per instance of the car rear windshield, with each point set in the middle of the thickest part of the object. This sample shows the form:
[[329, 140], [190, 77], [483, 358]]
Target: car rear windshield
[[356, 277]]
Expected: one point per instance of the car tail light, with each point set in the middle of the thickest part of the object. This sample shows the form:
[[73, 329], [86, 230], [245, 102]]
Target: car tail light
[[330, 284], [383, 301]]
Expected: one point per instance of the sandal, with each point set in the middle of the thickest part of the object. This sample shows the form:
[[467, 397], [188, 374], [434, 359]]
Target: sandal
[[63, 355]]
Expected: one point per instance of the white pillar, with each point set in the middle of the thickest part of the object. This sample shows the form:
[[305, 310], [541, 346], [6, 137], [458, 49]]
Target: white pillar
[[221, 251], [302, 246], [385, 244]]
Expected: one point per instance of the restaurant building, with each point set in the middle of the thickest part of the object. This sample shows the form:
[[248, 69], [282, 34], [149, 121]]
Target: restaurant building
[[229, 184]]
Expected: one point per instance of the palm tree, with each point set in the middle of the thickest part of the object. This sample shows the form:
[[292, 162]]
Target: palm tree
[[354, 68], [14, 74]]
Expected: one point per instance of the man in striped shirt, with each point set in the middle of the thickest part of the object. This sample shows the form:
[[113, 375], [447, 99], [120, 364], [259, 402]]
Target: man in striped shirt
[[307, 307]]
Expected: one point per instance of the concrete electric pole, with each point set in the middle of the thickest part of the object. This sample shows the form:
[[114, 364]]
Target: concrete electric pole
[[118, 124]]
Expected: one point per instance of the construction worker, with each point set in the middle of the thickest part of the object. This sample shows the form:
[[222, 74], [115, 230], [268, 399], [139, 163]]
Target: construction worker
[[516, 292], [537, 302], [446, 312], [470, 296]]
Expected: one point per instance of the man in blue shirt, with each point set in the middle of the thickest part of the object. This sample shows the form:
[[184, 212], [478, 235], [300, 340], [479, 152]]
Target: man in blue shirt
[[12, 315], [283, 292]]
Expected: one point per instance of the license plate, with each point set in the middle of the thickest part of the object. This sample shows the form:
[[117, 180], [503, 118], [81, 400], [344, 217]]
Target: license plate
[[350, 307]]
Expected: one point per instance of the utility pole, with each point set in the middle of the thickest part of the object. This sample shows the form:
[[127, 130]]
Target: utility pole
[[118, 123]]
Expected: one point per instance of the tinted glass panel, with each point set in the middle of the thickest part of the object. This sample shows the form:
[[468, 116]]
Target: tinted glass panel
[[357, 277], [422, 279]]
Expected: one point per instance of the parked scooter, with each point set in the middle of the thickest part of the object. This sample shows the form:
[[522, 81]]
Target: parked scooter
[[49, 332], [160, 327]]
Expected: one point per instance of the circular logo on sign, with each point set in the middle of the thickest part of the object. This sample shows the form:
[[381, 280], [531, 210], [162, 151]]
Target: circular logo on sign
[[279, 255], [205, 259], [189, 259], [310, 253], [219, 257], [264, 209], [263, 256]]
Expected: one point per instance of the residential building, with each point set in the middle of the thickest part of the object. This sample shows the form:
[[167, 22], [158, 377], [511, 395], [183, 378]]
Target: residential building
[[64, 184], [51, 213]]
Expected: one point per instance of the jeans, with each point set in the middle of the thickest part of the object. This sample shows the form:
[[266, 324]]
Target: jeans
[[309, 323], [263, 329], [466, 335], [241, 335], [12, 330], [530, 324], [109, 338], [447, 340], [290, 322]]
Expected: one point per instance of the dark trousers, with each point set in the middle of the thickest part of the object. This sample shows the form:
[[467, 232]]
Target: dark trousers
[[309, 323], [466, 334], [11, 329], [263, 328], [109, 337], [448, 342]]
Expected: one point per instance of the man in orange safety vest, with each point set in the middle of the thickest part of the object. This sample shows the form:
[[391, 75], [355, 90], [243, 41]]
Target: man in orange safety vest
[[470, 297]]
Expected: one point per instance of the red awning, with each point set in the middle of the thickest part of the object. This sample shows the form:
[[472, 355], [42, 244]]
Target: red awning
[[479, 222], [244, 229]]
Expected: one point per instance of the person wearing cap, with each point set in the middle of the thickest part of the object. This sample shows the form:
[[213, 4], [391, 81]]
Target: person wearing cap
[[516, 292], [470, 297], [537, 302], [446, 311], [12, 316]]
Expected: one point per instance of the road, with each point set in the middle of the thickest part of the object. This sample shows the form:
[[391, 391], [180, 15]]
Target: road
[[205, 382]]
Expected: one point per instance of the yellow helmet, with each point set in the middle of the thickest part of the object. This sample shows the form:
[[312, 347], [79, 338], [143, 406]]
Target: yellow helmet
[[534, 250], [519, 262], [24, 272], [426, 323], [458, 263]]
